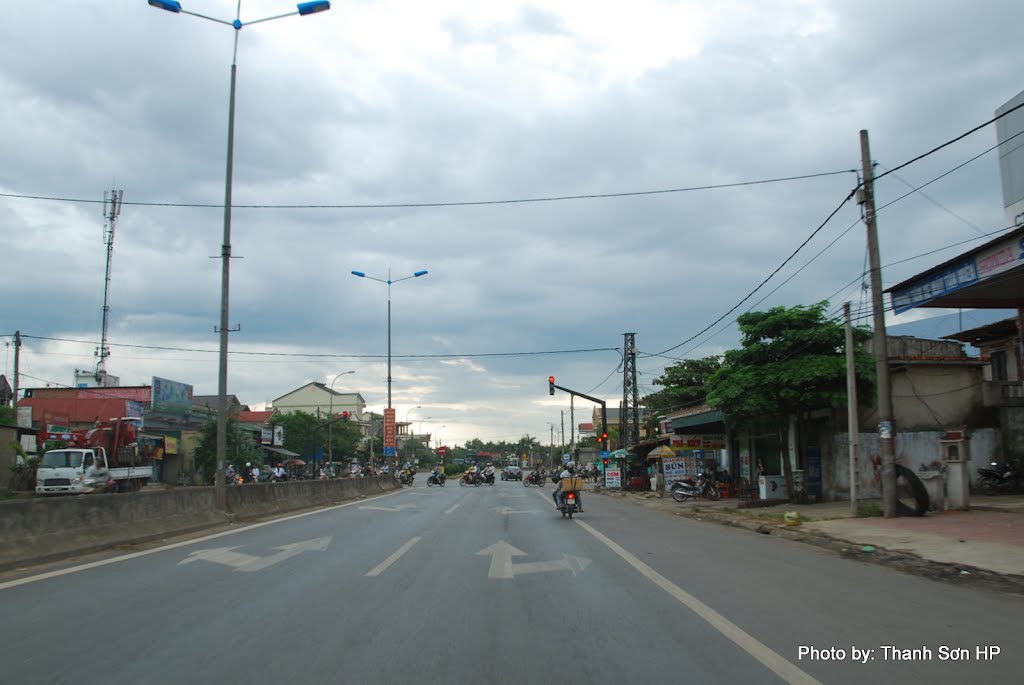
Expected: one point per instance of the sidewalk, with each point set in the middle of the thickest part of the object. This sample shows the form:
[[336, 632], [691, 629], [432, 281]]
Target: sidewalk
[[983, 545]]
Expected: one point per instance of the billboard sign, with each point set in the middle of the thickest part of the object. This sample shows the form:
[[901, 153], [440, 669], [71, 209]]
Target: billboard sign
[[389, 432], [171, 397]]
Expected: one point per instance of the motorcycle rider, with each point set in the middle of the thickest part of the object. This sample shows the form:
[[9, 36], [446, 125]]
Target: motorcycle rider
[[437, 473], [568, 472], [472, 473], [489, 472]]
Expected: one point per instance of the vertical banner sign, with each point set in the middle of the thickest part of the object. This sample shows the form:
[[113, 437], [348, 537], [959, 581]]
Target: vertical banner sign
[[389, 432]]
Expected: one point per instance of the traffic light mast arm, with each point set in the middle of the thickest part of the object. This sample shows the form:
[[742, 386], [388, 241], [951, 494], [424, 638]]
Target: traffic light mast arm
[[604, 407]]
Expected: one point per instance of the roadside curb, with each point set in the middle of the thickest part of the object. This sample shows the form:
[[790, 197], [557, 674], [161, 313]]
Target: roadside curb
[[957, 574]]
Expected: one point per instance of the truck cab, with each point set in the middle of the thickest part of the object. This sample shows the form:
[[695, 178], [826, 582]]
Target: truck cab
[[62, 471]]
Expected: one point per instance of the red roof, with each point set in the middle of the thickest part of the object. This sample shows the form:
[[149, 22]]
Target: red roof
[[75, 411], [142, 394], [254, 416]]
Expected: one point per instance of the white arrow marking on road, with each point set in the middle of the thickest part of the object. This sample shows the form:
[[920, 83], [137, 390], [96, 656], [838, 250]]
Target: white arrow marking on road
[[400, 507], [226, 556], [287, 551], [501, 554], [452, 509], [504, 511]]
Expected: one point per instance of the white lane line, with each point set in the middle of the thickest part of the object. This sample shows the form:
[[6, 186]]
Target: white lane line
[[454, 507], [774, 661], [383, 566], [214, 536]]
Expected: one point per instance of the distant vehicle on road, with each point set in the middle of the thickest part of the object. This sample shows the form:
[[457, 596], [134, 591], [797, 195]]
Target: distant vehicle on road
[[511, 473]]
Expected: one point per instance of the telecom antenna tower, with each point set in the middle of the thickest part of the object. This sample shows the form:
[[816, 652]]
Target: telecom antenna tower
[[629, 421], [111, 210]]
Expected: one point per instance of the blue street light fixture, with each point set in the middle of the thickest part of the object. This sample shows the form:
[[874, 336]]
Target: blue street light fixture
[[389, 282], [302, 9]]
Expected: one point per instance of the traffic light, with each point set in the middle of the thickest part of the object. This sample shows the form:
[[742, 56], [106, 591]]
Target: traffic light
[[604, 437], [344, 416], [551, 385], [606, 462]]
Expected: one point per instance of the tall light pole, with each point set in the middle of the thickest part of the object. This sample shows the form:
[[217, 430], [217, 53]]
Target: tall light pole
[[389, 282], [302, 9], [407, 424], [330, 419]]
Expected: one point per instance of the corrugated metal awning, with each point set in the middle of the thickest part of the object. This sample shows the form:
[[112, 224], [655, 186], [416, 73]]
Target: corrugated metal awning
[[713, 416]]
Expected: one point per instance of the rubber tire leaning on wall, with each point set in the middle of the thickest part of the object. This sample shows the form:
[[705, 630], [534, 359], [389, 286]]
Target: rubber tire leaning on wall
[[917, 489]]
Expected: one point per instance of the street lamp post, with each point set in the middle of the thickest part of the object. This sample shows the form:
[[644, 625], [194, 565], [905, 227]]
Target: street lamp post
[[302, 9], [330, 419], [389, 282], [407, 424]]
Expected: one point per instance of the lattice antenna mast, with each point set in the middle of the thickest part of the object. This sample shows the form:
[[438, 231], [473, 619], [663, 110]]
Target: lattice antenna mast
[[630, 419], [111, 210]]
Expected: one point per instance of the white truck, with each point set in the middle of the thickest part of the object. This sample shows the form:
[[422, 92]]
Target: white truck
[[67, 470]]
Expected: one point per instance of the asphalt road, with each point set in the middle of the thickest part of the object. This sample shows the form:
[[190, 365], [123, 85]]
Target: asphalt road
[[489, 584]]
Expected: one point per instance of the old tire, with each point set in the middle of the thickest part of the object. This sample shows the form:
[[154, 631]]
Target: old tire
[[911, 495]]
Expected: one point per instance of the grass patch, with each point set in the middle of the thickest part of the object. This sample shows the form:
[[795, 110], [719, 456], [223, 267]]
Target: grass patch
[[868, 509]]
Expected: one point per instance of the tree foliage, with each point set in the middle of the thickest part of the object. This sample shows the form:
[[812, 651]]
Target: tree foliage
[[241, 448], [685, 385], [791, 360], [309, 435]]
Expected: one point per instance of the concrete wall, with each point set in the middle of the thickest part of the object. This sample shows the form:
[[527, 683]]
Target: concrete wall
[[913, 450], [40, 529]]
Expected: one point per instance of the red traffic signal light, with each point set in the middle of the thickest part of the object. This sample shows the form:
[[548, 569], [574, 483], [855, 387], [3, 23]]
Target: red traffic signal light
[[344, 416], [606, 463], [604, 437], [551, 385]]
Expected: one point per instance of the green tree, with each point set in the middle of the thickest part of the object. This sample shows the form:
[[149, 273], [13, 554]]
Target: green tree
[[685, 385], [791, 361], [8, 416], [241, 448]]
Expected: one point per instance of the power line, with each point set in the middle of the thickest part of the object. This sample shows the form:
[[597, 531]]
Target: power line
[[468, 203], [769, 277], [304, 355], [950, 142]]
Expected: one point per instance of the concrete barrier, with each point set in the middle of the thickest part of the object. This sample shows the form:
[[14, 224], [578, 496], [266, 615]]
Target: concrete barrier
[[42, 529]]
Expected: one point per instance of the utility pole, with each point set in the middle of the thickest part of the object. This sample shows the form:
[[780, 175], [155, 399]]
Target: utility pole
[[562, 438], [880, 345], [572, 424], [111, 210], [629, 417], [17, 360], [851, 410]]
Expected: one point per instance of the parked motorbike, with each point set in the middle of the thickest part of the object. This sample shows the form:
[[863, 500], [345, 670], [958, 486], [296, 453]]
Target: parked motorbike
[[471, 479], [689, 487], [433, 480], [995, 478], [533, 478]]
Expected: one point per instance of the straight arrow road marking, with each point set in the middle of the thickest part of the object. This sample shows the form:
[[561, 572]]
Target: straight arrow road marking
[[227, 556], [383, 566], [503, 568], [452, 509]]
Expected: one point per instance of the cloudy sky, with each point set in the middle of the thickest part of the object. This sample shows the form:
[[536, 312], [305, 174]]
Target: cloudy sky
[[507, 147]]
